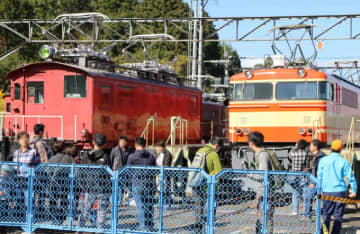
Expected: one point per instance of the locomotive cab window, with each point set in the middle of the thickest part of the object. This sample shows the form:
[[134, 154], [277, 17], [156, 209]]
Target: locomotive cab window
[[253, 91], [8, 107], [326, 91], [106, 97], [35, 92], [75, 86], [230, 92], [349, 98], [17, 91], [296, 90], [305, 91]]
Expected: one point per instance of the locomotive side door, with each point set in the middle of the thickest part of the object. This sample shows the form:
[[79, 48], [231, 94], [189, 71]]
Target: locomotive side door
[[338, 110], [18, 96]]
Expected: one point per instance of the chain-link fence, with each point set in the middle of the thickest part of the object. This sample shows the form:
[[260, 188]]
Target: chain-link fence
[[156, 200]]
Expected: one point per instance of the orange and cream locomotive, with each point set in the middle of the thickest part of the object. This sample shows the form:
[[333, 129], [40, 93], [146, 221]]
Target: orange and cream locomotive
[[288, 104]]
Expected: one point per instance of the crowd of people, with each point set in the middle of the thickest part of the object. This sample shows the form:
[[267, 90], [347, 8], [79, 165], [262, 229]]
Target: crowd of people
[[35, 151], [330, 172]]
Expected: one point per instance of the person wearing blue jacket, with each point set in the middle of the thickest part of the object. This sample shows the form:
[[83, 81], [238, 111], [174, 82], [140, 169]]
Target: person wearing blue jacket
[[331, 173]]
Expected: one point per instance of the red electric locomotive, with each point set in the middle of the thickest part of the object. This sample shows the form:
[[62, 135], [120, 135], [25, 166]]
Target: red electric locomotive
[[75, 102]]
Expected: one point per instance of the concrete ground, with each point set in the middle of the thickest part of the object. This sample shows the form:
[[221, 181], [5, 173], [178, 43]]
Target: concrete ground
[[351, 223], [229, 219], [234, 219]]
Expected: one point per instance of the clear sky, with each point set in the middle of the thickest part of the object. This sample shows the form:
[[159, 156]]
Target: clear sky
[[332, 49]]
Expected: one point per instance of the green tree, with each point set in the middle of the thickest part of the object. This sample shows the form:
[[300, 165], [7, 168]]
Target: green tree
[[165, 52], [116, 9], [48, 9], [13, 9]]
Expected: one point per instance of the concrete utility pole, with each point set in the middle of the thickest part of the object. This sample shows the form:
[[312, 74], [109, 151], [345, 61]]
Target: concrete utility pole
[[195, 38], [227, 77], [201, 44]]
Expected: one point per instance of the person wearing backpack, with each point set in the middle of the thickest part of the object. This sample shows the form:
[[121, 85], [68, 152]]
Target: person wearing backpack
[[207, 159], [39, 144], [300, 160], [263, 161], [44, 152]]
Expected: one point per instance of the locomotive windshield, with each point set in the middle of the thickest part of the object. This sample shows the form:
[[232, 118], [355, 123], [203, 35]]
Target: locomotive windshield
[[253, 91], [75, 86], [303, 91], [17, 92], [35, 92]]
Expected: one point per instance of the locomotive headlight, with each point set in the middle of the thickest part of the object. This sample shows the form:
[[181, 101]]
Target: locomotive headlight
[[46, 52], [239, 131], [310, 131], [302, 131], [84, 132], [249, 74], [301, 72], [246, 131]]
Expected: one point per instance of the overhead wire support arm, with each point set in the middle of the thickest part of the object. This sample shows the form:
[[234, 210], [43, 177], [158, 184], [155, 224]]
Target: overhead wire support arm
[[255, 29], [60, 28], [331, 27]]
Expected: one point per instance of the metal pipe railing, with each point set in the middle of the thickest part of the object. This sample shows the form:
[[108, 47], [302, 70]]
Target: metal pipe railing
[[145, 133], [23, 117]]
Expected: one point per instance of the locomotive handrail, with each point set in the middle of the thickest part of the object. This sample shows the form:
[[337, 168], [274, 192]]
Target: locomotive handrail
[[30, 116], [145, 133], [300, 105], [182, 124]]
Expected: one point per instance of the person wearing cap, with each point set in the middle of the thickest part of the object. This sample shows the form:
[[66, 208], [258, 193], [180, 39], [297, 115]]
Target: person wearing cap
[[94, 183], [332, 170]]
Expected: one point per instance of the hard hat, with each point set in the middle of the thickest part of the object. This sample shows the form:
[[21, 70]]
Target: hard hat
[[336, 145]]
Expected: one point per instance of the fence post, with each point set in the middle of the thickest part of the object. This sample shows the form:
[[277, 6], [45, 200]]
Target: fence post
[[1, 127], [211, 205], [265, 201], [29, 202], [114, 203], [71, 198], [318, 209], [161, 199]]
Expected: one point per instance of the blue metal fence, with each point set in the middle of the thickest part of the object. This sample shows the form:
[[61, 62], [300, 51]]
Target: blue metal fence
[[154, 200]]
